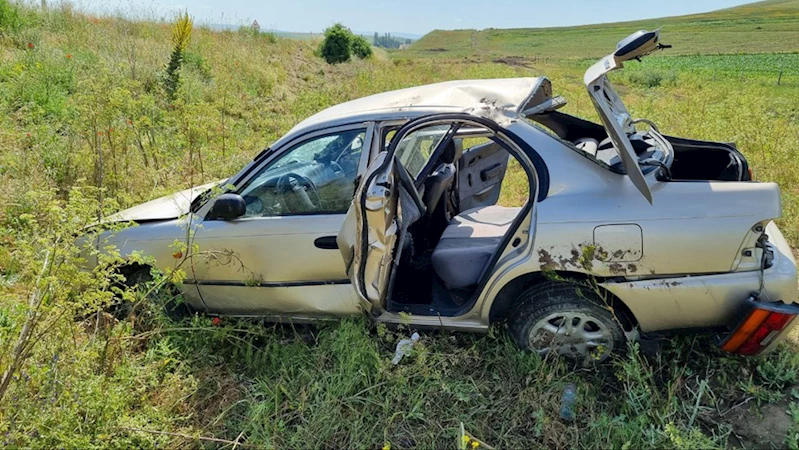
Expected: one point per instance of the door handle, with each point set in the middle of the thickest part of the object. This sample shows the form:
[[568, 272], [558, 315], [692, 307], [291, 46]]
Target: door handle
[[491, 172], [326, 243]]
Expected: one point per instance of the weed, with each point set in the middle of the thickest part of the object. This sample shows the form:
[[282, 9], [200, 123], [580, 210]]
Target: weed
[[83, 108], [650, 78], [181, 34]]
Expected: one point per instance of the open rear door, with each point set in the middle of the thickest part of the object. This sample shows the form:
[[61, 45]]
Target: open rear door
[[387, 201], [481, 170]]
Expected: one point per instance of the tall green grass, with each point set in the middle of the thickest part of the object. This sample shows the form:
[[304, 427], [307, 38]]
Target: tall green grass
[[87, 127]]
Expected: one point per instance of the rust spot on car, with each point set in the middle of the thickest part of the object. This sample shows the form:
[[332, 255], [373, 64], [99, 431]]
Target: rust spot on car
[[546, 259], [583, 256], [616, 268]]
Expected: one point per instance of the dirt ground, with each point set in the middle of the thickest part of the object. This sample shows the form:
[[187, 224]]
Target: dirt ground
[[761, 427]]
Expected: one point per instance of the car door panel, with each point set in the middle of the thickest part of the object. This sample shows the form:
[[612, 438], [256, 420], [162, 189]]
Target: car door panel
[[367, 249], [387, 202], [253, 265], [281, 258], [481, 171]]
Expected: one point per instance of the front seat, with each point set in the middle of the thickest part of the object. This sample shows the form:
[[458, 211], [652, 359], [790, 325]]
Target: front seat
[[469, 242], [442, 178]]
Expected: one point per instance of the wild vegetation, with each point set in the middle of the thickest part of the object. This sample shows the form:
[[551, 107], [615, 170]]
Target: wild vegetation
[[89, 125], [340, 44], [770, 26]]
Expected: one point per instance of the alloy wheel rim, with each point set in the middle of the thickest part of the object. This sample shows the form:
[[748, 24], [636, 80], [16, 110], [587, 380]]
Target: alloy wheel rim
[[575, 335]]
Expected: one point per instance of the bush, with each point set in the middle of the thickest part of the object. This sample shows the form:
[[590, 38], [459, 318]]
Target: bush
[[361, 47], [10, 19], [336, 47], [340, 44], [650, 78]]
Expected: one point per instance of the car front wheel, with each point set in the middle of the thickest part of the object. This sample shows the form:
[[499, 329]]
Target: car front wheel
[[567, 320]]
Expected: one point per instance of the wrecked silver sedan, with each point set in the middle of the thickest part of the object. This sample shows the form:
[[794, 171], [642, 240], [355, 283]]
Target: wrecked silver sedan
[[627, 233]]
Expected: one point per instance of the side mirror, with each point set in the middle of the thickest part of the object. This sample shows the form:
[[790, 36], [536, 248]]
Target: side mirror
[[227, 207]]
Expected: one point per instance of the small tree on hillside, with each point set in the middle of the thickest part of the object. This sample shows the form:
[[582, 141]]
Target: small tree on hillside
[[360, 47], [336, 47]]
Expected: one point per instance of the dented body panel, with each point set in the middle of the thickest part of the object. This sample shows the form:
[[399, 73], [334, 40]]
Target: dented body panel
[[705, 301]]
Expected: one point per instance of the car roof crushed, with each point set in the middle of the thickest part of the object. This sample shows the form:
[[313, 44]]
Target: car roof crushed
[[509, 95]]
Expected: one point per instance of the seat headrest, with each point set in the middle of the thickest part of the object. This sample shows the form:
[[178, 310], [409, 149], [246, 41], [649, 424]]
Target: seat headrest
[[452, 152]]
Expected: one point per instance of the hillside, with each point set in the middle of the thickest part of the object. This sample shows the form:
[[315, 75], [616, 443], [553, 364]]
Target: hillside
[[88, 125], [769, 26]]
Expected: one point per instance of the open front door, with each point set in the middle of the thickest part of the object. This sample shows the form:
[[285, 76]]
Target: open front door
[[369, 234]]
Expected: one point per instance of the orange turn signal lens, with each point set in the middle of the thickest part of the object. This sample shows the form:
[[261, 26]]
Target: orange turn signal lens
[[764, 323], [747, 328]]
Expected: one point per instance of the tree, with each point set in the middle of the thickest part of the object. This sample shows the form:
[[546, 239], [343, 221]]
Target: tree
[[337, 45], [360, 47]]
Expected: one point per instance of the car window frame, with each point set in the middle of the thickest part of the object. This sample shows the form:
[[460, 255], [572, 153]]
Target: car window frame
[[251, 170]]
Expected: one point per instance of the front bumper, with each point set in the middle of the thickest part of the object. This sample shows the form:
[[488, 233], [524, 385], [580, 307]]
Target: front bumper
[[710, 301]]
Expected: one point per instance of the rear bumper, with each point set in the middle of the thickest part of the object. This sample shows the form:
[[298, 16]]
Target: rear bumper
[[781, 279], [706, 301]]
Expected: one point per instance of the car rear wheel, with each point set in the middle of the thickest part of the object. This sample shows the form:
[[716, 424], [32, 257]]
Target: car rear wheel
[[567, 320]]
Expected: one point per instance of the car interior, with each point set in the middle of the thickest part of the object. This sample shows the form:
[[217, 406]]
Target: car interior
[[693, 160], [449, 247]]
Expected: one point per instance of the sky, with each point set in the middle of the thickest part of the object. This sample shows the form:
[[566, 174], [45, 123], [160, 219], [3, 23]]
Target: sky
[[408, 16]]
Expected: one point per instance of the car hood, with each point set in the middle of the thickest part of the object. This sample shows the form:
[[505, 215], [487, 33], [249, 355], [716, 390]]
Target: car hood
[[164, 208]]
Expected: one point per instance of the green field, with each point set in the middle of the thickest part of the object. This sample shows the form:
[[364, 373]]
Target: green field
[[771, 26], [87, 125]]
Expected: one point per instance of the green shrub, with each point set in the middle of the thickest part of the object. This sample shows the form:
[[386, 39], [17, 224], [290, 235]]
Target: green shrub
[[650, 78], [361, 47], [337, 46], [340, 44], [10, 18]]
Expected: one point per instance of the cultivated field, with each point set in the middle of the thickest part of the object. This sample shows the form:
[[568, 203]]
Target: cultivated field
[[88, 126], [771, 26]]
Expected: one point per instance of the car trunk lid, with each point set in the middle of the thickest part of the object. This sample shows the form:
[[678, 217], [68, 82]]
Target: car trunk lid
[[614, 115]]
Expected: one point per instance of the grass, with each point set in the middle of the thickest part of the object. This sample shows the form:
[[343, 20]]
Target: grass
[[771, 26], [87, 125]]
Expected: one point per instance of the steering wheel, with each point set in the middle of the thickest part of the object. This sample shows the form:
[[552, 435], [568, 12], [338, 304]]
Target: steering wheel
[[306, 195], [336, 168]]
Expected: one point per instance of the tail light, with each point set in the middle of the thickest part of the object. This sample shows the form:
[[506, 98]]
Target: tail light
[[760, 326]]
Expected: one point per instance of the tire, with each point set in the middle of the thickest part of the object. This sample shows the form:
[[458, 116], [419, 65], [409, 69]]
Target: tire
[[540, 324], [172, 308]]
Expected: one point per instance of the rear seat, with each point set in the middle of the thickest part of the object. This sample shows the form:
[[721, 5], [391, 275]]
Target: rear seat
[[468, 243]]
